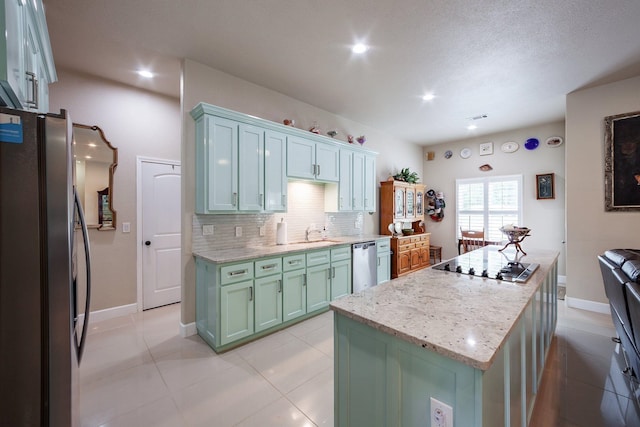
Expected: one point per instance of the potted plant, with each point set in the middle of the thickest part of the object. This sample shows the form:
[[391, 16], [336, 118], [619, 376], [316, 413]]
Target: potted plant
[[407, 176]]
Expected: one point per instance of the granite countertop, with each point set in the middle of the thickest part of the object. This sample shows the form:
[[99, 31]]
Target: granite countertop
[[243, 254], [464, 318]]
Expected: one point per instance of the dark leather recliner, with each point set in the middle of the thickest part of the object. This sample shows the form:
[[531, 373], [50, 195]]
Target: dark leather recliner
[[621, 275]]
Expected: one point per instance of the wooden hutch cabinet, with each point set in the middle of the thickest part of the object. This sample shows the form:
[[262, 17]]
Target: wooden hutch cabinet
[[404, 202]]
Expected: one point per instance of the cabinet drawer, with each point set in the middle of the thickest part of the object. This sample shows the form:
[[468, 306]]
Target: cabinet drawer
[[294, 262], [421, 244], [341, 253], [406, 246], [383, 246], [236, 272], [318, 258], [267, 267]]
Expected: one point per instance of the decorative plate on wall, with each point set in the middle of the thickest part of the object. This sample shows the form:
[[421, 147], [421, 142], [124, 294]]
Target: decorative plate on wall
[[531, 144], [509, 147], [465, 153], [554, 141], [448, 154]]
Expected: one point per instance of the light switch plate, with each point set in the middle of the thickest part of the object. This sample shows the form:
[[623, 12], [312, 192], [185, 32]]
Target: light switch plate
[[238, 231], [126, 227], [263, 230]]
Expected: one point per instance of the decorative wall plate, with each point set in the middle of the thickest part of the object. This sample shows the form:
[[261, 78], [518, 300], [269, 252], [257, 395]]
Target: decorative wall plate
[[510, 147], [531, 144], [486, 148], [465, 153], [554, 141], [448, 154]]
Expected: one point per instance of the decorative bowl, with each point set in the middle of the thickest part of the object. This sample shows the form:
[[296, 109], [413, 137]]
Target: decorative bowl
[[407, 231], [515, 234]]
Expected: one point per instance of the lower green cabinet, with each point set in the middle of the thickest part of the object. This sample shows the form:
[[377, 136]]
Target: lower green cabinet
[[383, 251], [294, 294], [268, 302], [318, 287], [236, 311], [238, 301]]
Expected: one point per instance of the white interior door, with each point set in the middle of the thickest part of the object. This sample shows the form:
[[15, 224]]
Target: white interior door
[[161, 273]]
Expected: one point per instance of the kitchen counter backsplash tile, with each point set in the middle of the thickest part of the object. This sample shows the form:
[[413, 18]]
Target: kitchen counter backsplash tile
[[306, 206]]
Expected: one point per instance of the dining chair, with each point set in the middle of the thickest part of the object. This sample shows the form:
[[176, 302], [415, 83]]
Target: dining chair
[[472, 239]]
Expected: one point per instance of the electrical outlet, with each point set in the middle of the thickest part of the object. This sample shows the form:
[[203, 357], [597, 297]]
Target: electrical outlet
[[238, 231], [441, 414], [207, 230], [263, 230]]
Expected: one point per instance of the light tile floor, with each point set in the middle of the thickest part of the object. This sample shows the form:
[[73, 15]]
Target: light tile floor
[[137, 371]]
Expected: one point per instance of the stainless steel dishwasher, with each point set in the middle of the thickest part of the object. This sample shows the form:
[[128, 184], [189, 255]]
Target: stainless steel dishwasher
[[365, 266]]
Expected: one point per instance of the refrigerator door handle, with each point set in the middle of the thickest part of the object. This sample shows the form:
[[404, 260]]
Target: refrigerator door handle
[[87, 254]]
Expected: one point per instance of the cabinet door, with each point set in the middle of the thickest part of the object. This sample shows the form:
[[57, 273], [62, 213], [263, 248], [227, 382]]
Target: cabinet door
[[340, 279], [398, 203], [301, 158], [268, 302], [294, 294], [384, 267], [12, 63], [410, 198], [370, 183], [419, 203], [221, 171], [345, 185], [358, 181], [275, 171], [236, 311], [327, 161], [251, 167], [318, 287], [415, 258], [404, 262], [31, 59]]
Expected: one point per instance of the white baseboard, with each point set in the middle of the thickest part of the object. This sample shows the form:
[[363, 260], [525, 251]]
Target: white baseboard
[[188, 329], [583, 304], [110, 313], [562, 280]]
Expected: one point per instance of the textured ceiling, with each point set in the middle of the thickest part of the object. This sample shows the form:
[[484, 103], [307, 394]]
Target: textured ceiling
[[513, 60]]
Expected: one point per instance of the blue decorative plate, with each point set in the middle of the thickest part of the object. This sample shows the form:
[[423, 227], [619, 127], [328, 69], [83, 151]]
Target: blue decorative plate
[[531, 144]]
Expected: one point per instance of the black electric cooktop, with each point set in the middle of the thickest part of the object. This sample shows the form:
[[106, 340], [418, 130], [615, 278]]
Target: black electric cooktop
[[491, 263]]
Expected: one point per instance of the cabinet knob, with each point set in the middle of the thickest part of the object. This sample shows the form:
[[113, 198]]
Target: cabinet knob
[[147, 243]]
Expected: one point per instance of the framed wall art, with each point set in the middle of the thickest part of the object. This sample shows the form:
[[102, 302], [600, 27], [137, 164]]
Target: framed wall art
[[545, 186], [622, 162]]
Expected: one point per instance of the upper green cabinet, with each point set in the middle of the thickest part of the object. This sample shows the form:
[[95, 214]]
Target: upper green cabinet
[[243, 163], [239, 166], [313, 160], [26, 60]]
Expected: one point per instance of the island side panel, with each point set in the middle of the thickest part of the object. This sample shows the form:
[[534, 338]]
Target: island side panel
[[381, 380]]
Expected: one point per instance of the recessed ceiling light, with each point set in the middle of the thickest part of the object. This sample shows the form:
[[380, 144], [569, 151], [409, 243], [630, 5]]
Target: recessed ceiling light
[[428, 97], [472, 127], [145, 73], [359, 48]]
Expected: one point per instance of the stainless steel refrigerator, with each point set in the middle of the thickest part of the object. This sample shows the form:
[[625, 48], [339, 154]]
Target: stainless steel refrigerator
[[42, 327]]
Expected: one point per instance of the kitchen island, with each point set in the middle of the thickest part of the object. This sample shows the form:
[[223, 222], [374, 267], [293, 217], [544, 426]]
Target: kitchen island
[[476, 344]]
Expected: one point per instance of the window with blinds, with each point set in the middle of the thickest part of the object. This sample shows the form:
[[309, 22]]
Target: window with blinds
[[488, 204]]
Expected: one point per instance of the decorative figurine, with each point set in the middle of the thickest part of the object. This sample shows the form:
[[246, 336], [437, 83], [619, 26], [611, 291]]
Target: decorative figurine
[[332, 133], [350, 139], [361, 139], [314, 129]]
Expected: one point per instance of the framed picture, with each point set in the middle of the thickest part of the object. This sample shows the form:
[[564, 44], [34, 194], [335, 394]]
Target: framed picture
[[622, 162], [545, 186]]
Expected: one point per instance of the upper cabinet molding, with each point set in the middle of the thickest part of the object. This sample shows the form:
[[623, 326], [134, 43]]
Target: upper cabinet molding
[[204, 108]]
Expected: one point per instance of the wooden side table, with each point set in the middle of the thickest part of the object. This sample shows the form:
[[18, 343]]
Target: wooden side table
[[435, 252]]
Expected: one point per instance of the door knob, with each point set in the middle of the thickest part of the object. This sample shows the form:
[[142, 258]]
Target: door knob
[[148, 243]]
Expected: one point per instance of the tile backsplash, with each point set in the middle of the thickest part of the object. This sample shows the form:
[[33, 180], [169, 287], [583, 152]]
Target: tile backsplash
[[306, 207]]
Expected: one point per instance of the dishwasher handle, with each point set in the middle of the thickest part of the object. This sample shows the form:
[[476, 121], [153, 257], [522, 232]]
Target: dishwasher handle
[[364, 245]]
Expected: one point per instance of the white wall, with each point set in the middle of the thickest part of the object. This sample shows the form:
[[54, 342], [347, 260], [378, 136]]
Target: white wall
[[136, 122], [591, 230], [544, 217], [204, 84]]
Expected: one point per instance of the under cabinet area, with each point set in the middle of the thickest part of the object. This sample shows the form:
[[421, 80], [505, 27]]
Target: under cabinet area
[[240, 301]]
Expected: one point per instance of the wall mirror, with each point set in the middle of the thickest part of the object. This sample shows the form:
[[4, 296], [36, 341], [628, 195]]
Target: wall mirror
[[95, 162]]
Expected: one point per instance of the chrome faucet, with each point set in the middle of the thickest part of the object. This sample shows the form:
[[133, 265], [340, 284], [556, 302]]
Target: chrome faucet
[[311, 230]]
